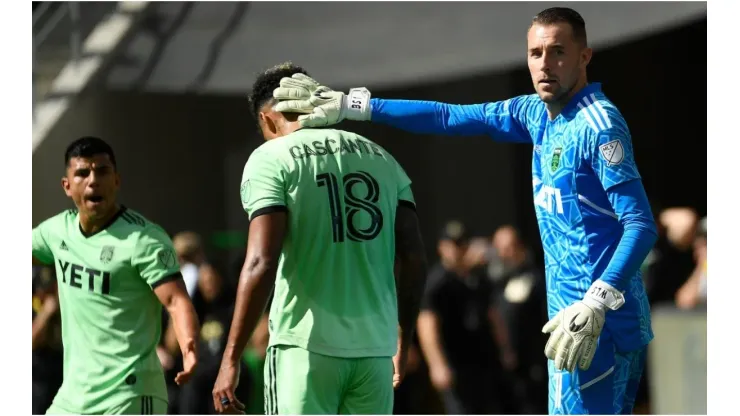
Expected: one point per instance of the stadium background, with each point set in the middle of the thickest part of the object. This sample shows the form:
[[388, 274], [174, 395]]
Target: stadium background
[[171, 99]]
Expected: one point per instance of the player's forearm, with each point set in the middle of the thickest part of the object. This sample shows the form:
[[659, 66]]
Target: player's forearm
[[184, 320], [631, 205], [171, 344], [431, 117], [255, 284]]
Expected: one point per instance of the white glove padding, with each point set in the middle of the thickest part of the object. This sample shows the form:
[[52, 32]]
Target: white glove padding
[[295, 91], [575, 330], [322, 105]]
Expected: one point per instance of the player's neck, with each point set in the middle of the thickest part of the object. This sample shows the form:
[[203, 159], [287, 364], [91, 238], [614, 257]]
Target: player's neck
[[554, 109], [289, 127], [91, 225]]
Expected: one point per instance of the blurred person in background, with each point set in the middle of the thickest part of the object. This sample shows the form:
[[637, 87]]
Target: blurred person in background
[[456, 331], [205, 285], [416, 395], [519, 296], [329, 214], [594, 216], [200, 277], [666, 270], [111, 262], [693, 293], [46, 341], [671, 261]]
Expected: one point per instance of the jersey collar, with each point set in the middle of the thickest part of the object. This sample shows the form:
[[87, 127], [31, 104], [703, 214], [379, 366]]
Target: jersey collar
[[110, 222], [585, 91]]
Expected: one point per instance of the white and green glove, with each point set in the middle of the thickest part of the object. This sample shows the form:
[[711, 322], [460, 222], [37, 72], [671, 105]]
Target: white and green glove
[[575, 330], [321, 106]]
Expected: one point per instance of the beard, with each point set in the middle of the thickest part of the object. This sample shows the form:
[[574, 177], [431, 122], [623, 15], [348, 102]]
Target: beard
[[558, 96]]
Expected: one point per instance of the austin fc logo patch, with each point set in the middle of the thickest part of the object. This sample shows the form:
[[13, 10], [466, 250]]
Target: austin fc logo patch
[[555, 161], [106, 254], [612, 152]]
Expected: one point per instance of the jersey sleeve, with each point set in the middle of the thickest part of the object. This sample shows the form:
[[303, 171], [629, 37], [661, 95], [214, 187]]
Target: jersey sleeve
[[154, 257], [632, 207], [40, 244], [502, 120], [263, 185], [405, 195], [611, 157]]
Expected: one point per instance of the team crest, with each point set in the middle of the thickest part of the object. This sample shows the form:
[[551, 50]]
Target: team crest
[[555, 161], [167, 258], [612, 152], [106, 254]]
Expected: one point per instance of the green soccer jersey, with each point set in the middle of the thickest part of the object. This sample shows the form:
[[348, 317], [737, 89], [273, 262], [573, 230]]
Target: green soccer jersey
[[111, 318], [335, 290]]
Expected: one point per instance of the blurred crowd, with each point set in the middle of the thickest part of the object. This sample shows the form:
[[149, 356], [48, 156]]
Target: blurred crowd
[[478, 347]]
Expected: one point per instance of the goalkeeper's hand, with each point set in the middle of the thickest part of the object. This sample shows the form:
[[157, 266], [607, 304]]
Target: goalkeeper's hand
[[321, 106], [575, 330]]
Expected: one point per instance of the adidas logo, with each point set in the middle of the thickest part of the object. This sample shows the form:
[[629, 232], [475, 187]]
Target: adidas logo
[[63, 246]]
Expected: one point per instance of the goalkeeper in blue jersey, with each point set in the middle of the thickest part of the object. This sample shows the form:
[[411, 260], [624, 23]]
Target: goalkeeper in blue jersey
[[593, 214]]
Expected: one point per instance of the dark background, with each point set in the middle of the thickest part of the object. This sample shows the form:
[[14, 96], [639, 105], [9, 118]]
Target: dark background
[[182, 155]]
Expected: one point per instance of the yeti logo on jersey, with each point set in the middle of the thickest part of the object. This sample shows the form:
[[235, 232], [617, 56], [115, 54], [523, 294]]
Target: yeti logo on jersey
[[555, 161], [612, 152], [167, 258], [548, 197], [106, 254]]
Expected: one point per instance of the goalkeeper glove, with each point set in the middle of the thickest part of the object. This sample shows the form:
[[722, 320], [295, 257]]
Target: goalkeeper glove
[[575, 330], [320, 105]]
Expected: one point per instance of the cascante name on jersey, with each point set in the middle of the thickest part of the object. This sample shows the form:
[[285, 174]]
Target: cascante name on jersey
[[330, 146]]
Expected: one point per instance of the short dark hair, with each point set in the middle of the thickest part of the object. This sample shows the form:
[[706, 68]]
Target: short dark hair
[[89, 146], [266, 83], [563, 15]]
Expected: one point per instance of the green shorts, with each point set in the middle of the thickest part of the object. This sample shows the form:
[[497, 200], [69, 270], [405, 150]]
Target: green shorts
[[299, 382], [143, 405]]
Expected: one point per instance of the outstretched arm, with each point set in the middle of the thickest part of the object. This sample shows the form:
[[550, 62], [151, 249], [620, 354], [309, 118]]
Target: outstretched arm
[[322, 106], [502, 120]]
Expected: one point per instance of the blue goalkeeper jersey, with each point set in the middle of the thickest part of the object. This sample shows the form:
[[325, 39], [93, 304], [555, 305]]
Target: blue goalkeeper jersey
[[588, 195]]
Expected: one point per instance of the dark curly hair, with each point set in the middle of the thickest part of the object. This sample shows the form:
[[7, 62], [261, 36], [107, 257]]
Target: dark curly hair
[[266, 83]]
